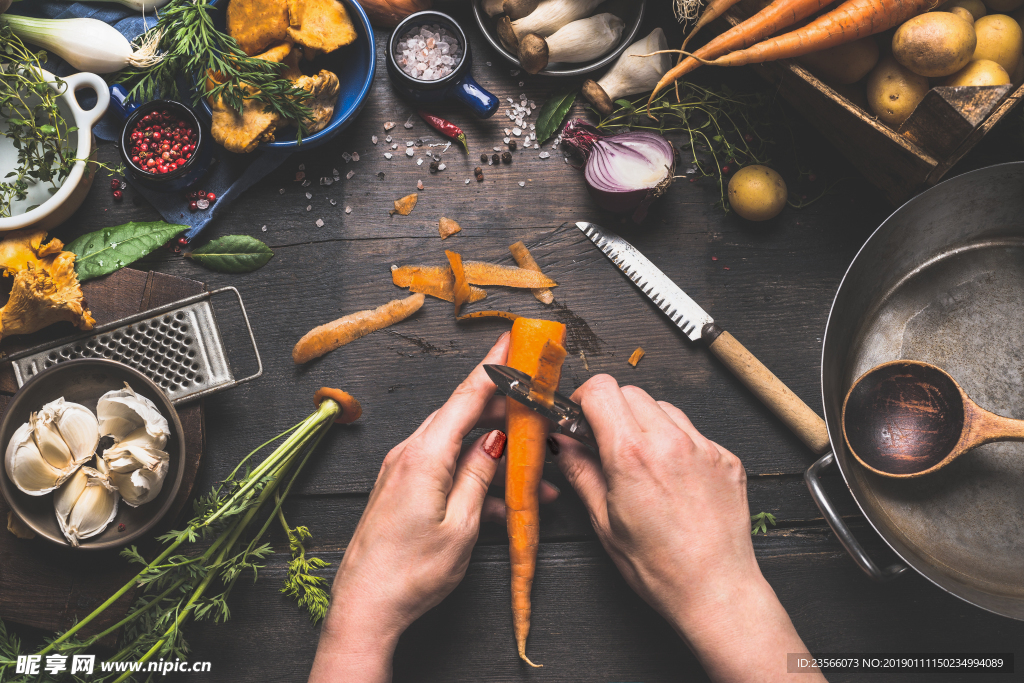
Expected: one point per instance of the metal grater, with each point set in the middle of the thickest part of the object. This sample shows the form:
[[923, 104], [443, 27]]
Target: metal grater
[[178, 346]]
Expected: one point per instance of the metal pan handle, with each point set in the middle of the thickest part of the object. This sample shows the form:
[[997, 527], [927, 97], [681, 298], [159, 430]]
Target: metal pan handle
[[846, 537]]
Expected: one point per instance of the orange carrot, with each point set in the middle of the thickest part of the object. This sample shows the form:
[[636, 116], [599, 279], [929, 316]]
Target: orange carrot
[[461, 289], [851, 20], [489, 314], [330, 336], [525, 259], [714, 9], [532, 341], [776, 16], [350, 408]]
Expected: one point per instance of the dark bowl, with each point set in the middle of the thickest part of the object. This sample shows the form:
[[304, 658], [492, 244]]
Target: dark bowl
[[631, 12], [353, 64], [189, 173], [84, 381]]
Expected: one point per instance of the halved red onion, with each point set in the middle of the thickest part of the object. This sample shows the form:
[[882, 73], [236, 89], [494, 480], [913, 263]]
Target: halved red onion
[[625, 172]]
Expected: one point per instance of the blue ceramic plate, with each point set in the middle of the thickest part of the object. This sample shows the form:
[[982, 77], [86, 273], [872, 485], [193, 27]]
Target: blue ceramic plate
[[354, 65]]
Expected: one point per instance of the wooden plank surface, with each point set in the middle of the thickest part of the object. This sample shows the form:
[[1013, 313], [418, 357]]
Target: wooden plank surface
[[770, 284]]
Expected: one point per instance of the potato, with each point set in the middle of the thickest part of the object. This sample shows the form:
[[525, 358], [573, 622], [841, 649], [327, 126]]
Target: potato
[[1003, 6], [999, 39], [963, 14], [844, 64], [894, 91], [934, 44], [979, 72], [757, 193], [975, 7]]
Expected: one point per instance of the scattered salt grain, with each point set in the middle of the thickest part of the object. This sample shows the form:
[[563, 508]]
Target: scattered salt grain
[[521, 84], [388, 139], [394, 145], [347, 157], [202, 204], [408, 123], [410, 152], [441, 167], [264, 228], [517, 131], [309, 195], [508, 131], [419, 162], [419, 183], [497, 149], [302, 167], [507, 139], [467, 181], [327, 180], [522, 183], [336, 173], [319, 222], [334, 202], [281, 191], [389, 125], [309, 207], [544, 155], [408, 143], [348, 209], [487, 63], [306, 183], [387, 155], [355, 156], [373, 139], [348, 176]]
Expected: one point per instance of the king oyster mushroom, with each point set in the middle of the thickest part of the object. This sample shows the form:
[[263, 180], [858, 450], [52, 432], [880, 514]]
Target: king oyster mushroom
[[85, 505], [136, 464]]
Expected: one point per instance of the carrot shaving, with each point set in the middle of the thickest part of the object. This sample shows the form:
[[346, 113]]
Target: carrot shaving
[[350, 408], [477, 273], [527, 431], [405, 205], [447, 227], [545, 382], [461, 287], [525, 260], [434, 281], [325, 338], [636, 356], [489, 314]]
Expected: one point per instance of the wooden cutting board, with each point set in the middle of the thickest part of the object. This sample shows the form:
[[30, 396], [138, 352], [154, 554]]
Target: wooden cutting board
[[48, 586]]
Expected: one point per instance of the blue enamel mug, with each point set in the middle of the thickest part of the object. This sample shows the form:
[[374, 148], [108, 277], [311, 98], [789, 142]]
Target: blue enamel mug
[[190, 173], [458, 85]]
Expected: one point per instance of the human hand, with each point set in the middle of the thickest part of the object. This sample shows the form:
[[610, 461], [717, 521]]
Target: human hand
[[413, 543], [670, 507]]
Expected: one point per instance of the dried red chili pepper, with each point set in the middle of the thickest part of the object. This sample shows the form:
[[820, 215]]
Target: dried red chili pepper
[[446, 128]]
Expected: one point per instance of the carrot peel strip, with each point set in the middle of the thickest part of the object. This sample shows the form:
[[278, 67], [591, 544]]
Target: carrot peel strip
[[549, 371], [527, 435], [337, 333], [477, 273], [635, 357], [461, 288], [525, 260], [489, 314], [434, 281]]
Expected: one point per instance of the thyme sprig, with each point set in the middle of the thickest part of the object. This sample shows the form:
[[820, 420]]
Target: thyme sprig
[[193, 48], [176, 587], [35, 124]]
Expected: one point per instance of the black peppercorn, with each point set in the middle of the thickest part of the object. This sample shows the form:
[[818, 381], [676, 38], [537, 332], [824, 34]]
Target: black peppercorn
[[433, 167], [512, 145], [483, 158], [495, 158], [506, 157]]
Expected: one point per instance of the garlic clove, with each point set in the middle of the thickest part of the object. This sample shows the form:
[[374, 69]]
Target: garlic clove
[[49, 441], [123, 411], [27, 468], [142, 437], [77, 425], [133, 456], [138, 487], [86, 505]]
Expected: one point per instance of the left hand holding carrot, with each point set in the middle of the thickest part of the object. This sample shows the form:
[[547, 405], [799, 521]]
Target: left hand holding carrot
[[413, 543]]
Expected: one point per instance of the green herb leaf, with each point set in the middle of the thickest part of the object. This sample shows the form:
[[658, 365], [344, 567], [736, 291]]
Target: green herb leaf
[[104, 251], [549, 119], [233, 254]]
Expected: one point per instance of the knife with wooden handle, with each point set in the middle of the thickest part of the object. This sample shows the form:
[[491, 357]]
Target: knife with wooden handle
[[697, 324]]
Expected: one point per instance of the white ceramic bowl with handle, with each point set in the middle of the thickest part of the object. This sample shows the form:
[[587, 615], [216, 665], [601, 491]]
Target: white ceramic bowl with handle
[[52, 210]]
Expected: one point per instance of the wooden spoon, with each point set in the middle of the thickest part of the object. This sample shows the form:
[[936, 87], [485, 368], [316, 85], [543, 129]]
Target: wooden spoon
[[906, 418]]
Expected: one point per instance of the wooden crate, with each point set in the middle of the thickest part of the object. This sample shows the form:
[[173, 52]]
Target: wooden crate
[[945, 126]]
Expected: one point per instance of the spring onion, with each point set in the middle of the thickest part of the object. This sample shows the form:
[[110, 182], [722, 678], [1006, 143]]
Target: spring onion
[[87, 44], [625, 172]]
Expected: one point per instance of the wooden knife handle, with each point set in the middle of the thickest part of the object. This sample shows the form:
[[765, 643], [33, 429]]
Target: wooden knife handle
[[779, 398]]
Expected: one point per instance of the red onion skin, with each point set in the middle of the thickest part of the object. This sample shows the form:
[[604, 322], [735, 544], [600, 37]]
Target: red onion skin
[[582, 137]]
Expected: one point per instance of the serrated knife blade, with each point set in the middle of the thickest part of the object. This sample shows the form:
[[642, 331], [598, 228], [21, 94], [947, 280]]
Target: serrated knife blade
[[666, 295], [697, 324]]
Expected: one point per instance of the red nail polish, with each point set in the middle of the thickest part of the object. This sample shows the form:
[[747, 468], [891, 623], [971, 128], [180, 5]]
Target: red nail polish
[[553, 446], [494, 444]]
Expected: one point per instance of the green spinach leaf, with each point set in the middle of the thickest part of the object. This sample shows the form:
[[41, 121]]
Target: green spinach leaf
[[233, 254], [104, 251]]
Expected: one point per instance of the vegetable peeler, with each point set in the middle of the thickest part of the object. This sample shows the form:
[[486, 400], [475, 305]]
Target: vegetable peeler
[[566, 414]]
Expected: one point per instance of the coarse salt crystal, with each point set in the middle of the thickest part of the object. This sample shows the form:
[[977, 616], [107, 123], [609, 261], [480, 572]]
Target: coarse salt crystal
[[355, 156], [544, 155], [336, 173], [467, 181], [517, 131], [408, 143], [522, 183], [507, 139], [521, 84], [497, 149], [387, 155], [441, 167], [309, 195], [348, 176], [348, 209], [419, 162], [373, 139], [281, 191], [202, 204], [334, 202], [410, 152], [408, 124], [419, 184], [487, 63], [347, 157], [302, 167], [264, 228], [319, 222], [327, 180], [388, 139], [508, 131], [306, 183], [309, 207], [389, 125]]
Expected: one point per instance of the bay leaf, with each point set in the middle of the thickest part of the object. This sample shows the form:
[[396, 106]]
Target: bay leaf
[[233, 254], [109, 249], [551, 113]]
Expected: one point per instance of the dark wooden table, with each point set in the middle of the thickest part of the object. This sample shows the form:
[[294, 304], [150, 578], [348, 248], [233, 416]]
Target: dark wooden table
[[771, 284]]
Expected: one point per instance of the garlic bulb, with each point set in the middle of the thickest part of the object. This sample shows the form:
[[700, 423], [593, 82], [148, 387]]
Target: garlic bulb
[[122, 412], [76, 425], [85, 505], [28, 469]]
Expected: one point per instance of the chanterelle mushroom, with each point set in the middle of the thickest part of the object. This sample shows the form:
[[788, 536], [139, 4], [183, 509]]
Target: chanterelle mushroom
[[45, 289]]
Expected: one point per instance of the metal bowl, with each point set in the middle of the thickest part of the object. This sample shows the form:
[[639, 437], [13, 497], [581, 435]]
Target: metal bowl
[[84, 381], [632, 15]]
